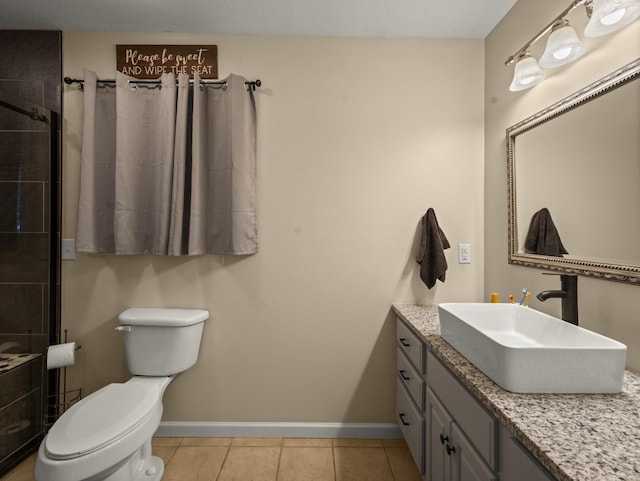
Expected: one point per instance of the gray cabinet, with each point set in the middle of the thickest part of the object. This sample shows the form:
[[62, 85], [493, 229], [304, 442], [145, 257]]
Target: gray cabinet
[[478, 425], [411, 379], [411, 345], [438, 437], [411, 422], [451, 456], [450, 434], [461, 434], [466, 464], [410, 391]]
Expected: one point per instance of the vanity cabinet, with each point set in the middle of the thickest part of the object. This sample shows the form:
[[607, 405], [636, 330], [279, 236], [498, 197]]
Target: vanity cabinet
[[411, 422], [450, 434], [410, 391], [451, 454], [477, 424]]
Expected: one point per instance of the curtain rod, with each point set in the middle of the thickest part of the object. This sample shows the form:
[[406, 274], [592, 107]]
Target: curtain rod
[[251, 85]]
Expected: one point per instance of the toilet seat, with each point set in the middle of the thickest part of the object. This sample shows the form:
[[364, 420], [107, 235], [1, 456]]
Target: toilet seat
[[100, 419]]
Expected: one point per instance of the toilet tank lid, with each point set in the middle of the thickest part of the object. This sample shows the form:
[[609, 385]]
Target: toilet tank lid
[[155, 316]]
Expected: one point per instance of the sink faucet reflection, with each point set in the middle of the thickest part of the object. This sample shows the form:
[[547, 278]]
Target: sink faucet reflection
[[568, 293]]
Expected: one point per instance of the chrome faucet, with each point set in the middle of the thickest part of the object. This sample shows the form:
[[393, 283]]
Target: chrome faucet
[[568, 293]]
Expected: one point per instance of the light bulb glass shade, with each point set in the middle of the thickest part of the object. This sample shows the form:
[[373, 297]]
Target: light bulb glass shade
[[563, 47], [611, 15], [526, 74]]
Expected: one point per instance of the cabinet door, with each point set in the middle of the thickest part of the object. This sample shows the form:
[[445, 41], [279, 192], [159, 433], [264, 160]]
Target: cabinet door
[[466, 464], [438, 422], [479, 426]]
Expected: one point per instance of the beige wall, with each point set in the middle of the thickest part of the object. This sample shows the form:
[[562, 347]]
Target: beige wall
[[356, 139], [607, 307]]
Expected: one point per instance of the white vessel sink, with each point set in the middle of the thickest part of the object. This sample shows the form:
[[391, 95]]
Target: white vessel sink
[[524, 350]]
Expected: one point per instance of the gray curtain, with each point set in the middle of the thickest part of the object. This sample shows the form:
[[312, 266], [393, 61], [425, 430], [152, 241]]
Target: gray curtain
[[172, 172], [223, 206], [180, 191], [97, 168]]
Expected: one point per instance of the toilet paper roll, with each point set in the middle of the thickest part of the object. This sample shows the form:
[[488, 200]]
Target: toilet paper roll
[[61, 355]]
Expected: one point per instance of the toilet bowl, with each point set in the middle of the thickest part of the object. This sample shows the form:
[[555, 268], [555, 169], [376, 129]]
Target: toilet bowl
[[107, 435]]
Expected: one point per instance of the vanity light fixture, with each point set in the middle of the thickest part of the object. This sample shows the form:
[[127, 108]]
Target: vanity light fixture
[[611, 15], [527, 73], [563, 45]]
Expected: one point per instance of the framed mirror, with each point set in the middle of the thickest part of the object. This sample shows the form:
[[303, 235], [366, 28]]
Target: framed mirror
[[575, 167]]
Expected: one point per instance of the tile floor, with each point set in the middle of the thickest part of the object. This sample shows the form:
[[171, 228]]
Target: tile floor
[[274, 459]]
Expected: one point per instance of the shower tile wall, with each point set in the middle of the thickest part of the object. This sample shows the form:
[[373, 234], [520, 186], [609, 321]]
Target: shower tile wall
[[30, 69]]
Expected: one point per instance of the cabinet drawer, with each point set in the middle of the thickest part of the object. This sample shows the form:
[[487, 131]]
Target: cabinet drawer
[[411, 345], [410, 378], [476, 422], [411, 424]]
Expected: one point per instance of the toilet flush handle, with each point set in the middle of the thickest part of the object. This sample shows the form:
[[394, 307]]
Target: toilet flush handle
[[124, 328]]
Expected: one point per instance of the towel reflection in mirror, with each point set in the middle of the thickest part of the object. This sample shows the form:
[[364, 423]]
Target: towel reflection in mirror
[[543, 237]]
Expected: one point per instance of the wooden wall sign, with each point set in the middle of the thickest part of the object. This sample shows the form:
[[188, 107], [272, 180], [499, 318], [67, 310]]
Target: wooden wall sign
[[151, 61]]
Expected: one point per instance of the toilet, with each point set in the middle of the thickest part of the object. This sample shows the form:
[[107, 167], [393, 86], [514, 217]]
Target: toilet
[[107, 435]]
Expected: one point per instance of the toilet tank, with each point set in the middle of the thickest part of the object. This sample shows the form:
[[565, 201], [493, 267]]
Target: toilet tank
[[161, 342]]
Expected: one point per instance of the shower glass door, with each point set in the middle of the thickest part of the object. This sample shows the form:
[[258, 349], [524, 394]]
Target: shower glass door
[[28, 275]]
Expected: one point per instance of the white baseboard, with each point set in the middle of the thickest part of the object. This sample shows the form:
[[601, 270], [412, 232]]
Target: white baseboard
[[279, 430]]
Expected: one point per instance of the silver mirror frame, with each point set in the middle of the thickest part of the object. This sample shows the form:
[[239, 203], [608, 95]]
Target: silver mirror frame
[[629, 274]]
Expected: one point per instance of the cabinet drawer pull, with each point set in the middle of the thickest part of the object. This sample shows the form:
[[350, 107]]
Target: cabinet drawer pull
[[403, 375], [404, 342], [443, 438], [405, 423], [450, 449]]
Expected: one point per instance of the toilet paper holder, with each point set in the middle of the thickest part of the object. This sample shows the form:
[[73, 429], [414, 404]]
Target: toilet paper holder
[[61, 355], [64, 398]]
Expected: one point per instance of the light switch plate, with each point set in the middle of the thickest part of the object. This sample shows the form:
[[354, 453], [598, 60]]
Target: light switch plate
[[68, 248], [464, 253]]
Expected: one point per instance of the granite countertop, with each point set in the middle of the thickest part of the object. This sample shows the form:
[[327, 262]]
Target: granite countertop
[[577, 437]]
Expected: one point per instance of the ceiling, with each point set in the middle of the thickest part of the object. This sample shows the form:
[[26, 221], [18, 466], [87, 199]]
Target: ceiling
[[359, 18]]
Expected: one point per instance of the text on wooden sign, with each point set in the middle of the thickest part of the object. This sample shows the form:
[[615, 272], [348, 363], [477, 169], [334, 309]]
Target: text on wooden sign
[[151, 61]]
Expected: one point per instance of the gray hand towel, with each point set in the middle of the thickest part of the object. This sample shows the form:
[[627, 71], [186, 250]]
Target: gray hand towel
[[543, 237], [433, 242]]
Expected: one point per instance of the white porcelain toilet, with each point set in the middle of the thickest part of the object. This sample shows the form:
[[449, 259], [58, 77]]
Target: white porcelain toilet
[[107, 435]]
